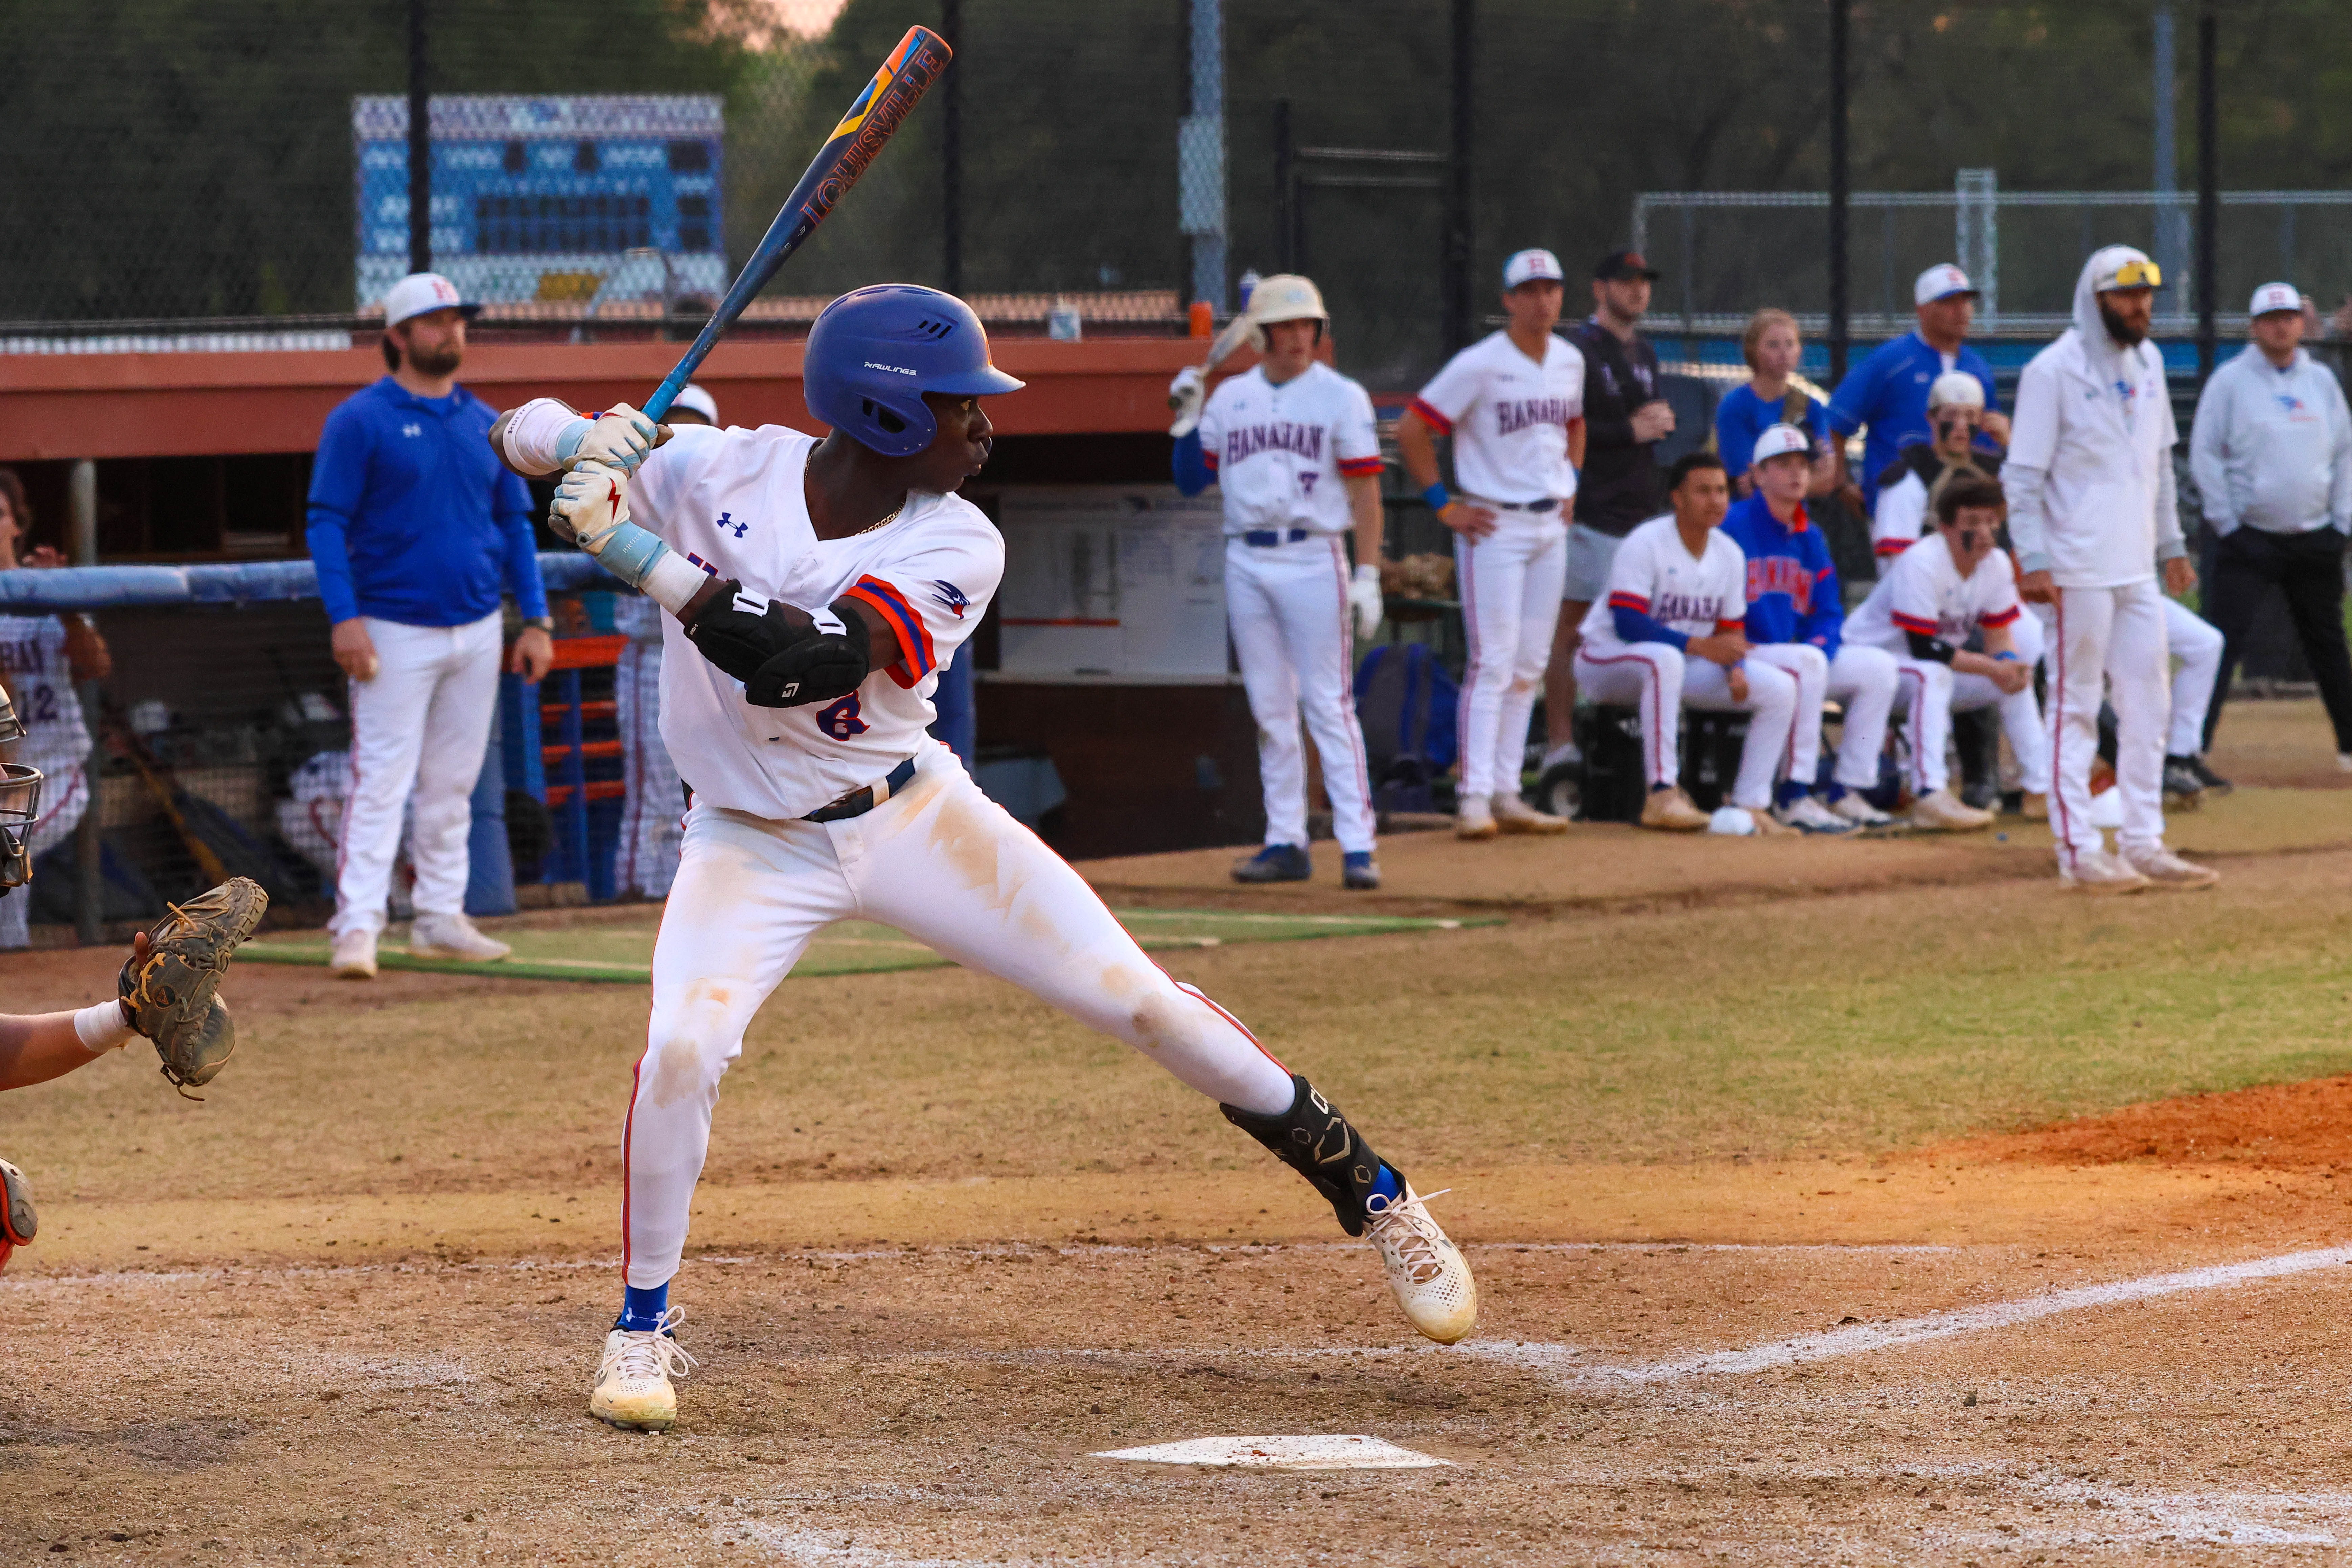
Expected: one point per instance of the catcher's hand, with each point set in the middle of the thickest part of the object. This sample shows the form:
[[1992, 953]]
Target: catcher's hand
[[169, 990]]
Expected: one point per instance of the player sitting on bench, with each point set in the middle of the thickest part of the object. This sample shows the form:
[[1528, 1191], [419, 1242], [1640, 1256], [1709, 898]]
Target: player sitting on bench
[[1670, 634], [1932, 597]]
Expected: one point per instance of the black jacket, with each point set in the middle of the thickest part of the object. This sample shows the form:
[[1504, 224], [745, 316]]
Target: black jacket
[[1620, 484]]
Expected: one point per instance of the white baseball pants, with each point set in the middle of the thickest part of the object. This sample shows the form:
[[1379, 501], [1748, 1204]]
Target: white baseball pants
[[653, 809], [944, 864], [1928, 693], [2196, 644], [1661, 681], [1863, 681], [2113, 637], [1287, 607], [421, 725], [65, 795], [1510, 586]]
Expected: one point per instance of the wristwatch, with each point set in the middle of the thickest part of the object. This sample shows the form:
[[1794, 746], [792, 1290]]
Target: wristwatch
[[541, 623]]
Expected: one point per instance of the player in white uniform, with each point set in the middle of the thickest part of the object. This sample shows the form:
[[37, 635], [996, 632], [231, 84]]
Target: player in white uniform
[[645, 852], [2092, 511], [1671, 634], [846, 572], [41, 658], [1293, 452], [1514, 403], [1930, 601]]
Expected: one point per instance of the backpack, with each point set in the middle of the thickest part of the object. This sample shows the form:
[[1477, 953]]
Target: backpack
[[1405, 702]]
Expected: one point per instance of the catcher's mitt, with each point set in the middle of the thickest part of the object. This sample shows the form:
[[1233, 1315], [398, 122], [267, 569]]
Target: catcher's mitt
[[169, 996]]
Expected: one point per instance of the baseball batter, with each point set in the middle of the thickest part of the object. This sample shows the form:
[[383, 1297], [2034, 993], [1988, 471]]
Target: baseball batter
[[1514, 404], [1293, 452], [2093, 511], [1671, 633], [842, 574], [1930, 600]]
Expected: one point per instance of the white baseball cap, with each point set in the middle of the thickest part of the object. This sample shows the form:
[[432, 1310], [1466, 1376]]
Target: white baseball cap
[[421, 291], [1940, 281], [1779, 442], [1526, 265], [2273, 297], [700, 402], [1955, 389]]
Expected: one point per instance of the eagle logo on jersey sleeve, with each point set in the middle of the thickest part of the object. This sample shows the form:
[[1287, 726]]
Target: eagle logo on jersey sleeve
[[953, 597]]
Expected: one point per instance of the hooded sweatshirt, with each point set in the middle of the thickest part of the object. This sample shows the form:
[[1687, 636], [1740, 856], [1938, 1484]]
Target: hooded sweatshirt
[[2089, 476]]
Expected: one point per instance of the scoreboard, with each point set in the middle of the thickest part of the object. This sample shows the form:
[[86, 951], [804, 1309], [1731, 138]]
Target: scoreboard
[[541, 198]]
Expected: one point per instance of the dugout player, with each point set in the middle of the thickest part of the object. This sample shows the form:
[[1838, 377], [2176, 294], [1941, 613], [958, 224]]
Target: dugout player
[[1671, 635], [413, 528], [1887, 394], [1796, 620], [818, 797], [1514, 404], [44, 658], [1293, 452], [2093, 511]]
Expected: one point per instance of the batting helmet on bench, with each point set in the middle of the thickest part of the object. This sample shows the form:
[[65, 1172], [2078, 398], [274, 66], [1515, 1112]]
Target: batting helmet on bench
[[875, 352]]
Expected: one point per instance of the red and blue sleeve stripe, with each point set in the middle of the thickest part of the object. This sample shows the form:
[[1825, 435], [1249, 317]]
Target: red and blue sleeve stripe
[[2003, 618], [1620, 600], [1890, 547], [1431, 417], [917, 659], [1925, 627], [1357, 467]]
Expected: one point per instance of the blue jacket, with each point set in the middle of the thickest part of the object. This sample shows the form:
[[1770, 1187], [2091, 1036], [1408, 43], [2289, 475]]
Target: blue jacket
[[413, 517], [1888, 392], [1742, 417], [1793, 593]]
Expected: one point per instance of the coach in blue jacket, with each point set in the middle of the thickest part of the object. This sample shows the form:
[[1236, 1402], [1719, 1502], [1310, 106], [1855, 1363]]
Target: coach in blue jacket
[[1886, 394], [415, 528], [1796, 619]]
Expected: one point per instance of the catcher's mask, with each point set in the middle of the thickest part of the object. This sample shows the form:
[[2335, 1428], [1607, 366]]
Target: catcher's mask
[[20, 804]]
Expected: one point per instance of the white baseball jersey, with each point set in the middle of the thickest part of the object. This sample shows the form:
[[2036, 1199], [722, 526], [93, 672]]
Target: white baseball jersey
[[731, 501], [1279, 452], [1656, 576], [40, 684], [1509, 416], [1922, 591]]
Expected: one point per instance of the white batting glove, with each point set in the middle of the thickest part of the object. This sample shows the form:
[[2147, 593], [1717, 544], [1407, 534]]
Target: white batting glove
[[1185, 396], [619, 438], [1366, 602], [592, 501]]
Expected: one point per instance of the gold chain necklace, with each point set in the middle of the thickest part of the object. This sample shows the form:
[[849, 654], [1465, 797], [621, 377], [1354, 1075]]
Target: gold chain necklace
[[886, 519]]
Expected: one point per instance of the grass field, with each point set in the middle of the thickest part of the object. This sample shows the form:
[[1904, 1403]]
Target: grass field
[[1820, 1218]]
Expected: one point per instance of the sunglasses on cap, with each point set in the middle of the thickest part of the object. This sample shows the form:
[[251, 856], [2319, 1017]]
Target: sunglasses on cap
[[2137, 275]]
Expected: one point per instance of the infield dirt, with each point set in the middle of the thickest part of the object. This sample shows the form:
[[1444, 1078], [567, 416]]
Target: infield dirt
[[949, 1245]]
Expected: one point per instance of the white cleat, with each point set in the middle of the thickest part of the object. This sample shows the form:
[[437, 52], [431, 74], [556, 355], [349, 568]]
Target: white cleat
[[2096, 871], [2169, 873], [1941, 811], [1426, 1271], [633, 1388], [1851, 807], [1473, 819], [354, 956], [1806, 814], [452, 936], [1513, 815]]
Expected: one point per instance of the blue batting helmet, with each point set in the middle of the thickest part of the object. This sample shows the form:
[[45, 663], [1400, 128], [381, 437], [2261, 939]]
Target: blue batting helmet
[[875, 352]]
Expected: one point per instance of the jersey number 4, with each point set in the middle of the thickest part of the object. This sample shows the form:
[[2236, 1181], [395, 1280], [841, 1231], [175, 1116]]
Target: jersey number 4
[[840, 720]]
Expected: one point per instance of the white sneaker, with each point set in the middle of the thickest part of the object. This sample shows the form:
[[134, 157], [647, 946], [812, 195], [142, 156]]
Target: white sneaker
[[2168, 872], [632, 1389], [1474, 820], [2096, 871], [1806, 814], [452, 936], [1560, 756], [354, 957], [1426, 1271], [1513, 815], [1851, 807], [1944, 812]]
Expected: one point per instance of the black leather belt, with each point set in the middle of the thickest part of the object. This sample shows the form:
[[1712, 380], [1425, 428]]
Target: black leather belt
[[858, 801], [1548, 503], [1266, 538]]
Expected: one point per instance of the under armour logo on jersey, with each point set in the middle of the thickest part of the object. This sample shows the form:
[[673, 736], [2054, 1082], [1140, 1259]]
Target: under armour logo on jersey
[[412, 429], [727, 520], [950, 595]]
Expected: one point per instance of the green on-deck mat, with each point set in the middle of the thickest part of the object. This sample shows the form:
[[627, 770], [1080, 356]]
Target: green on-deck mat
[[624, 954]]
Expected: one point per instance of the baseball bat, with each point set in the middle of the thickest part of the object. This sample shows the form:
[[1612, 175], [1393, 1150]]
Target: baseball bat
[[1224, 345], [917, 62]]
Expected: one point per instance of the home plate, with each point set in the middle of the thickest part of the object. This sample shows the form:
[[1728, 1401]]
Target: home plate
[[1321, 1453]]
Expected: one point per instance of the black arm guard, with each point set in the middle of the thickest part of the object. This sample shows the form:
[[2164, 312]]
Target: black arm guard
[[778, 652], [1313, 1139], [1926, 647]]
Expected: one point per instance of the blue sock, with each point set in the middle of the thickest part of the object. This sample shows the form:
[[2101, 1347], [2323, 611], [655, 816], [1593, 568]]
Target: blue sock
[[1386, 1186], [1791, 793], [641, 1310], [1834, 793]]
